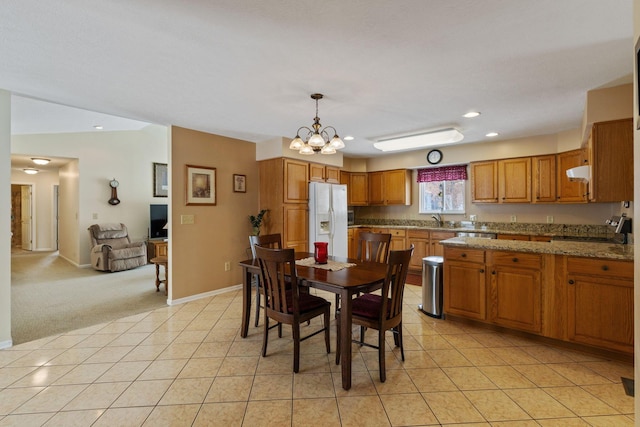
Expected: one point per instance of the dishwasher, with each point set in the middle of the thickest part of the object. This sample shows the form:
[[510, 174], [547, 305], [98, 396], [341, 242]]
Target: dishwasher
[[478, 234]]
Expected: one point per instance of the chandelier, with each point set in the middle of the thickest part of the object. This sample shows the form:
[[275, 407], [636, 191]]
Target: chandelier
[[318, 139]]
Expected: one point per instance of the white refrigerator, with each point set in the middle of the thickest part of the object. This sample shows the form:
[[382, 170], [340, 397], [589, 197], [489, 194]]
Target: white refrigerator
[[328, 217]]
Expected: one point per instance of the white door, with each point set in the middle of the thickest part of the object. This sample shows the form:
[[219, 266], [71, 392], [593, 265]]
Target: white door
[[25, 191]]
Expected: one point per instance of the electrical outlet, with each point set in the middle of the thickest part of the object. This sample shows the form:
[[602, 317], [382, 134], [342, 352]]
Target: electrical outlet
[[227, 265], [513, 218], [473, 218], [186, 219], [94, 216], [549, 219]]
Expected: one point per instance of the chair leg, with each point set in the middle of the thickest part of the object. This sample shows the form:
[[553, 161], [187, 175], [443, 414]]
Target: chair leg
[[296, 347], [362, 331], [399, 329], [381, 361], [327, 328], [279, 330], [265, 335], [257, 300], [337, 307], [338, 340]]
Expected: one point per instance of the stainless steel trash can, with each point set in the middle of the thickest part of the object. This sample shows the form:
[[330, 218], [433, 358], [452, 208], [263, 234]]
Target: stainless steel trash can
[[432, 286]]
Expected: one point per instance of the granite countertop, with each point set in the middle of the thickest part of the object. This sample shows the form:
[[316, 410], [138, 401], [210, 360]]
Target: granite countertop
[[582, 249]]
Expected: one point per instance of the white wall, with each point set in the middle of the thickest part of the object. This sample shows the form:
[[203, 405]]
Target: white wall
[[5, 219], [127, 156]]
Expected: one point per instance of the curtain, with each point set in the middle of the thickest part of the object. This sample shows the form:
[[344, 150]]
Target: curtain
[[443, 173]]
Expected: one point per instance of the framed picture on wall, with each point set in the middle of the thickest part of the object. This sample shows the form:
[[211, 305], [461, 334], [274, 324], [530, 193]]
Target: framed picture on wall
[[201, 185], [239, 183], [160, 180]]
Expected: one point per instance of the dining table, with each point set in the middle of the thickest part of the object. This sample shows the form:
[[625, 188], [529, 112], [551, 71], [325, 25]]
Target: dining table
[[358, 278]]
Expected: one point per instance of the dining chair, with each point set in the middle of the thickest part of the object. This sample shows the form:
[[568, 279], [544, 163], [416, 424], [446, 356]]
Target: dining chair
[[372, 247], [284, 302], [269, 241], [382, 312]]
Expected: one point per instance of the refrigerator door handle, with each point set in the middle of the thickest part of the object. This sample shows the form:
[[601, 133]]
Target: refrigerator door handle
[[333, 223]]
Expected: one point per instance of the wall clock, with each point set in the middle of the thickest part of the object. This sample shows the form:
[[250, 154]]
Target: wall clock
[[434, 157], [114, 192]]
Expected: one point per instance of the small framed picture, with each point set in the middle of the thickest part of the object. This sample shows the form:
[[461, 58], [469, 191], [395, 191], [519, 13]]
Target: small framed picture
[[239, 183], [201, 185], [160, 180]]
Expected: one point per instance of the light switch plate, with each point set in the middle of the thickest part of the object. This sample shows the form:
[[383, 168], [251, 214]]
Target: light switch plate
[[186, 219]]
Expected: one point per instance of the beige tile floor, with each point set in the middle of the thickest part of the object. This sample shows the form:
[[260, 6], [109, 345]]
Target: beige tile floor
[[186, 365]]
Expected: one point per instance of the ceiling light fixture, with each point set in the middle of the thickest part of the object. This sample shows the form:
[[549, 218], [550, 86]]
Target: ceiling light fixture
[[471, 114], [420, 140], [318, 139], [98, 127], [348, 138], [30, 171], [40, 161], [492, 134]]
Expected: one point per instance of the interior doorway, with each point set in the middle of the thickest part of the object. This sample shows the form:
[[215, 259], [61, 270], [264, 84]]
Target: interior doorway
[[21, 217]]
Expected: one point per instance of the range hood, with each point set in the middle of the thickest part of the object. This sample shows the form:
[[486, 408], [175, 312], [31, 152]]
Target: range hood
[[579, 173]]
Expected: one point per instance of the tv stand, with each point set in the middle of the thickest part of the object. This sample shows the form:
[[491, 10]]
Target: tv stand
[[157, 247]]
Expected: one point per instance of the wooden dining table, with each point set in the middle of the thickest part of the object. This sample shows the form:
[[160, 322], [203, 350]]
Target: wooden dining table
[[361, 277]]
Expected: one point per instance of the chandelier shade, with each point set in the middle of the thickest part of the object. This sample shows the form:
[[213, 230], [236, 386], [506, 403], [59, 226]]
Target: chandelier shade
[[316, 139]]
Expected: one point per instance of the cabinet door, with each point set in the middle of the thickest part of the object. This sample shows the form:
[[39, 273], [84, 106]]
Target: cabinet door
[[396, 187], [358, 189], [420, 250], [316, 172], [514, 180], [376, 188], [296, 181], [436, 249], [398, 239], [344, 179], [465, 289], [516, 295], [484, 182], [351, 237], [611, 160], [569, 191], [296, 230], [544, 178], [332, 175], [600, 312]]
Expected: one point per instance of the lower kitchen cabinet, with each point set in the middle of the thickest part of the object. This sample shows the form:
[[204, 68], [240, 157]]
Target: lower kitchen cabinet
[[436, 249], [464, 283], [600, 303], [515, 298], [420, 241]]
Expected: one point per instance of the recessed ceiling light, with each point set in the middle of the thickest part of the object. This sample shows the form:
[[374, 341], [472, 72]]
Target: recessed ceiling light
[[30, 171], [40, 161], [471, 114], [421, 140], [98, 127], [492, 134], [348, 138]]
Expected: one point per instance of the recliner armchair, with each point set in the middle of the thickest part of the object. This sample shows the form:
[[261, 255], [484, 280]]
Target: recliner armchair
[[112, 250]]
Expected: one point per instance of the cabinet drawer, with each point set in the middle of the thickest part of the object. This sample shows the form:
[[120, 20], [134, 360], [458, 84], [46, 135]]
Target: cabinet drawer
[[398, 232], [464, 254], [418, 234], [442, 235], [600, 267], [517, 259]]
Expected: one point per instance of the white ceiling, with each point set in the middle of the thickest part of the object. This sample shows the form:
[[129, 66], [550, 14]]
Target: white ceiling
[[246, 68]]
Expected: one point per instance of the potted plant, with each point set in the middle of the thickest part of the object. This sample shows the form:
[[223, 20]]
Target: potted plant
[[256, 221]]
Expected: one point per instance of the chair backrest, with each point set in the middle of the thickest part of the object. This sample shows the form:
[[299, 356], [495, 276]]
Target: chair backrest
[[393, 287], [275, 266], [273, 241], [114, 234], [373, 247]]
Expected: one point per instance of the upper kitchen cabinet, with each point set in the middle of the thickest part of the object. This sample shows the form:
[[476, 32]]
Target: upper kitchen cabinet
[[569, 191], [391, 187], [514, 180], [322, 173], [610, 151], [296, 180], [358, 189], [543, 177], [484, 181]]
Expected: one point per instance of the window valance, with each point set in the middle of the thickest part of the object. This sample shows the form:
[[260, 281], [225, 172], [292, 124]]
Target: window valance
[[443, 173]]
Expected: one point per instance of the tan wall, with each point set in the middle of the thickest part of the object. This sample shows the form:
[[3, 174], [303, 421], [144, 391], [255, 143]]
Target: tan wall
[[219, 233], [606, 104]]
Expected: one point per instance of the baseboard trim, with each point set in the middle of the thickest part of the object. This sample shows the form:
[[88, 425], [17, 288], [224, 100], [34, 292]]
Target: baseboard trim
[[203, 295], [6, 344]]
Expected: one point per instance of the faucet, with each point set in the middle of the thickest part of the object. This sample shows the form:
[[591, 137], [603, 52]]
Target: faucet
[[438, 218]]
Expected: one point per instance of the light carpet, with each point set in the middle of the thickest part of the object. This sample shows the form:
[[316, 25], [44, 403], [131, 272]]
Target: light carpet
[[49, 295]]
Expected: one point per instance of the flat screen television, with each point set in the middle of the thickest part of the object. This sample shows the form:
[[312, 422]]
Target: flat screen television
[[158, 218]]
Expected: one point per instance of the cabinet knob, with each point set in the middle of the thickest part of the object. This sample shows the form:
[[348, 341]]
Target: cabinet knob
[[605, 268], [482, 270], [571, 282], [515, 259], [493, 272], [463, 255]]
